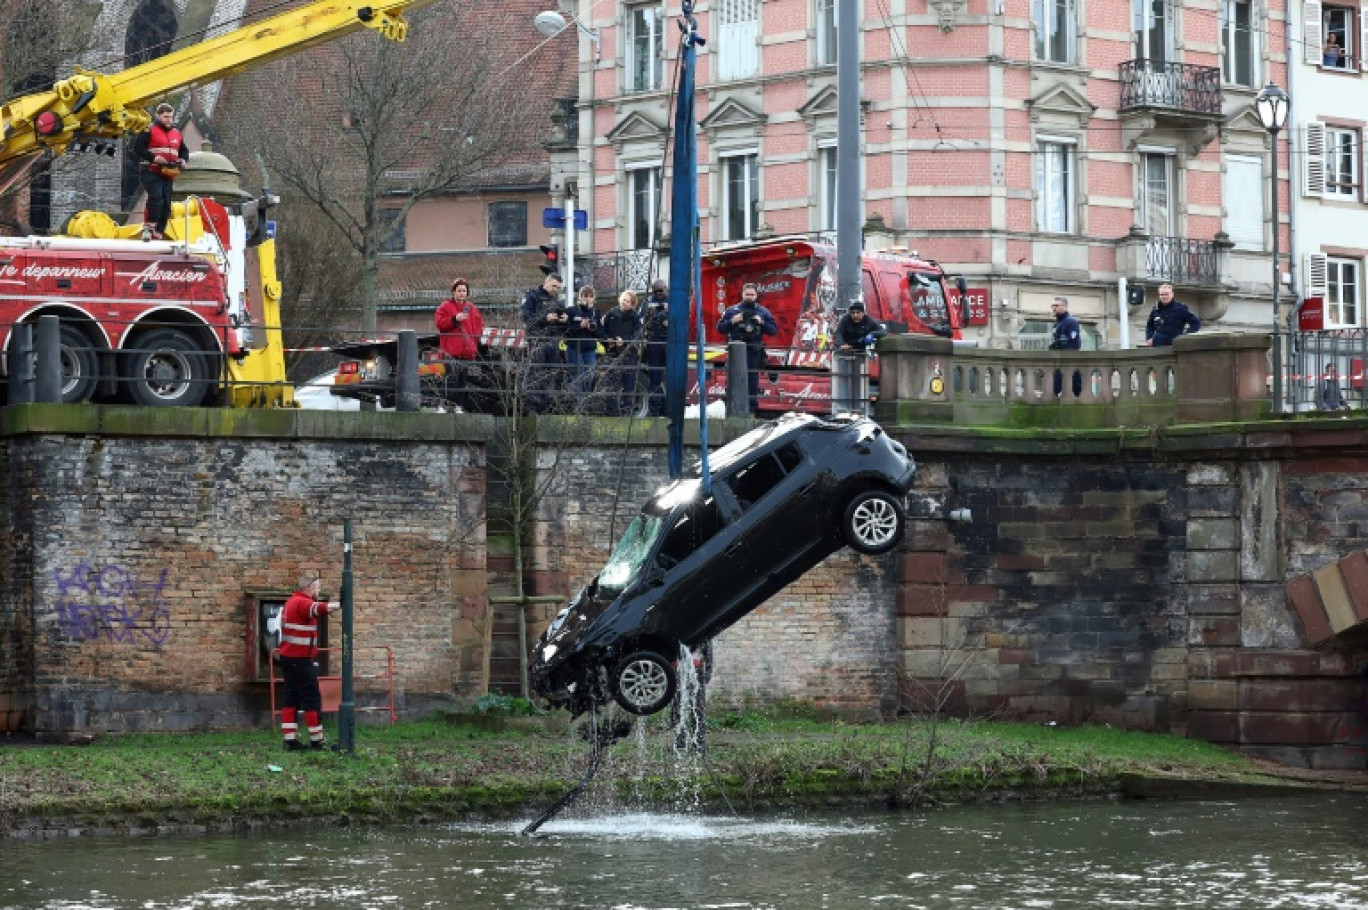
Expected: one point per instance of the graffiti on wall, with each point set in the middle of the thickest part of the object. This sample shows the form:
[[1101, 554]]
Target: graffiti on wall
[[111, 603]]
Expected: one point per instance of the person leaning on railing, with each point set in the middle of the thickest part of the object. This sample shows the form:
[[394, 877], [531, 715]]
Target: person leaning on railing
[[856, 331]]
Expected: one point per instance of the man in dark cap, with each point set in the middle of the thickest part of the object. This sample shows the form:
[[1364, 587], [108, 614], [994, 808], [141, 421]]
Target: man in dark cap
[[654, 328], [856, 331]]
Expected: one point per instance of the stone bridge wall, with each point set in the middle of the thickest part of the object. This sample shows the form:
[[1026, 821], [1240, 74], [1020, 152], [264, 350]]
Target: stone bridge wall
[[1130, 577]]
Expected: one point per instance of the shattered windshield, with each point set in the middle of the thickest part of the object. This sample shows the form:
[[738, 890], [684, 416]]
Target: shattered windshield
[[631, 551]]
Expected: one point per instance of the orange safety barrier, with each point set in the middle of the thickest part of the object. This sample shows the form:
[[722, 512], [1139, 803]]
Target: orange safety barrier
[[330, 687]]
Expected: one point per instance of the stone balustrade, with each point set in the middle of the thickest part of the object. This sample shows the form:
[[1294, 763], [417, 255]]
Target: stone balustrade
[[1203, 378]]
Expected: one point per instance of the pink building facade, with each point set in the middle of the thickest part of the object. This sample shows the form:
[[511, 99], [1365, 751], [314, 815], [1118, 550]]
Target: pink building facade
[[1039, 147]]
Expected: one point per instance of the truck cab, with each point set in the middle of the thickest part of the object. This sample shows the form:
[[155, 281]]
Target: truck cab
[[797, 283]]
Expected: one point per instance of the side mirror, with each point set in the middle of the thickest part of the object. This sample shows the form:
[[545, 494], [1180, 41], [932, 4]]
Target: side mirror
[[963, 287]]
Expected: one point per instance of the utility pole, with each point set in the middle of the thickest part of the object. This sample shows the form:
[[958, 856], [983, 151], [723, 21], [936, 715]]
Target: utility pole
[[849, 241]]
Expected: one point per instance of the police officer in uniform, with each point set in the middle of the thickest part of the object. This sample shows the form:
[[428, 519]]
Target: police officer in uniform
[[749, 322]]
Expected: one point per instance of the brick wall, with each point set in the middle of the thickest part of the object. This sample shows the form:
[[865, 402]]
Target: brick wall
[[1137, 582]]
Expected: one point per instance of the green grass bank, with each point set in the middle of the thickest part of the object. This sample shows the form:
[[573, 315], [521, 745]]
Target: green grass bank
[[444, 769]]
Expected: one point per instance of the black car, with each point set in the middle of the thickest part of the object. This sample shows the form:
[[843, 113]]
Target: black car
[[692, 562]]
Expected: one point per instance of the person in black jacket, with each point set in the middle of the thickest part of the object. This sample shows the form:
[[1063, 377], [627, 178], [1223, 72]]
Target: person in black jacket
[[1331, 395], [856, 331], [749, 322], [1169, 319], [1066, 337], [545, 321], [655, 327], [582, 334], [621, 333]]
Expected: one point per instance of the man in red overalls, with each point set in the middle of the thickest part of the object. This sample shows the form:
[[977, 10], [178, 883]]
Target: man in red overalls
[[298, 663], [161, 154]]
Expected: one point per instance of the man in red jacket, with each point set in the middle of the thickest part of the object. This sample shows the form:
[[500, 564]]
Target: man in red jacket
[[298, 662], [461, 326]]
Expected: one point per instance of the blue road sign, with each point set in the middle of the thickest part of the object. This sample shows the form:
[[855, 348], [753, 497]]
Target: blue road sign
[[555, 218]]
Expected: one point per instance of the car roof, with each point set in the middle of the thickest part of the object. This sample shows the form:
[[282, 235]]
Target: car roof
[[776, 433]]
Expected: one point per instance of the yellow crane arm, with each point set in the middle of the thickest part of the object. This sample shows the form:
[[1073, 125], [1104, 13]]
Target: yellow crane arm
[[107, 106]]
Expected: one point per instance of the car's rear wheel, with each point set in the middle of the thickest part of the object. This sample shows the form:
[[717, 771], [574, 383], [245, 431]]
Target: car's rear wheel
[[873, 522], [644, 682]]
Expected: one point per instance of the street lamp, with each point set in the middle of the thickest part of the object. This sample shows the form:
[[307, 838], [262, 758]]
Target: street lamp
[[551, 23], [1272, 105]]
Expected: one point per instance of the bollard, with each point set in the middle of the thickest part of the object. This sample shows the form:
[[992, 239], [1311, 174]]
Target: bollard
[[738, 380], [47, 385], [21, 365], [850, 383], [346, 715], [406, 395]]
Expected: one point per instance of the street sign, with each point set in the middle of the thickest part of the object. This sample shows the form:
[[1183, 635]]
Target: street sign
[[555, 218]]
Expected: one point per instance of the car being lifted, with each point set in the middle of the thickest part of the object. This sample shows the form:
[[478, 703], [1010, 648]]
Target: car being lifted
[[693, 562]]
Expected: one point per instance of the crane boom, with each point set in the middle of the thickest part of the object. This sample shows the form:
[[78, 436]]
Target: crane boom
[[93, 105]]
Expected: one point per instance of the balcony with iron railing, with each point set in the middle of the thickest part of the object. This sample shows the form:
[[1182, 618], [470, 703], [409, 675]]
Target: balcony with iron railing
[[1180, 261], [611, 273], [1162, 87]]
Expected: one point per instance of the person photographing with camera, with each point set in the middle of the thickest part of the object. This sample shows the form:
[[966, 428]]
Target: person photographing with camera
[[750, 323]]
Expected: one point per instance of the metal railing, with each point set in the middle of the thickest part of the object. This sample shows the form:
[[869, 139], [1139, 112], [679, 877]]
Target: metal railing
[[1182, 260], [1326, 370], [1171, 86]]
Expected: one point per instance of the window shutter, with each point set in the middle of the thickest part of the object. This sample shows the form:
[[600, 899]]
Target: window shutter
[[1361, 137], [1311, 32], [1313, 159], [1363, 39], [1317, 280]]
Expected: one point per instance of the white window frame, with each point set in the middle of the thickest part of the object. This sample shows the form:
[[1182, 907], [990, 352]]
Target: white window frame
[[1342, 183], [1248, 233], [1053, 20], [824, 21], [1349, 29], [737, 23], [1233, 42], [636, 217], [654, 37], [1153, 35], [750, 211], [1056, 174], [1343, 310], [1171, 195], [826, 188]]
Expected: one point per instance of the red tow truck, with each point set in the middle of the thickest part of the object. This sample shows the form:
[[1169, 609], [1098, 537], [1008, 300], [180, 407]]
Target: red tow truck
[[797, 282]]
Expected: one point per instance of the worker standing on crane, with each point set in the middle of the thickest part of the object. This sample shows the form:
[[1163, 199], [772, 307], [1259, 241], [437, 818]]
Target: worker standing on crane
[[161, 155]]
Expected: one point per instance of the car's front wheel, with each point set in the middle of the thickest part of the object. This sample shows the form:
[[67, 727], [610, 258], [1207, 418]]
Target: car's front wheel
[[873, 522], [644, 682]]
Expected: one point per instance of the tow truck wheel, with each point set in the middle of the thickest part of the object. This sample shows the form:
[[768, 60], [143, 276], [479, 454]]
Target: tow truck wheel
[[643, 682], [167, 369], [873, 522], [80, 366]]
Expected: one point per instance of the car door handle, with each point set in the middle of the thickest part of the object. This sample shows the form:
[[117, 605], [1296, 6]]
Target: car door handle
[[807, 489], [733, 549]]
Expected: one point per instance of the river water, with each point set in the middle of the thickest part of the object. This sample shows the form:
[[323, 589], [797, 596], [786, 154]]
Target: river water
[[1264, 853]]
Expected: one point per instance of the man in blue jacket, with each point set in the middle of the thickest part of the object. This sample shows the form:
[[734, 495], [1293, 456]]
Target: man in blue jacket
[[1169, 319]]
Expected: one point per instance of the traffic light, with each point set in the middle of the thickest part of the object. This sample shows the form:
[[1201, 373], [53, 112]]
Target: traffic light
[[552, 264]]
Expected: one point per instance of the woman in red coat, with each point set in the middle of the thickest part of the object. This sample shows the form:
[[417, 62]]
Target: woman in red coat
[[461, 326]]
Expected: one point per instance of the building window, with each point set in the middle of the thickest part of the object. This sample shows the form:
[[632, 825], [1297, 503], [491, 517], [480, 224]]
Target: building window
[[392, 232], [826, 160], [826, 32], [1152, 26], [738, 34], [1239, 52], [643, 185], [1342, 289], [1055, 27], [1341, 162], [740, 196], [1055, 183], [507, 224], [1156, 194], [645, 49], [1338, 25]]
